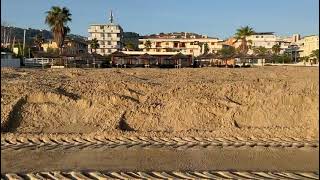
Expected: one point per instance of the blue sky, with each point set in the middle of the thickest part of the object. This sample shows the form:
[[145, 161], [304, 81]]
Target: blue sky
[[218, 18]]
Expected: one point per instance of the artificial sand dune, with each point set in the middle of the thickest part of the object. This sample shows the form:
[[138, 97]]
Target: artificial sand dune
[[208, 102]]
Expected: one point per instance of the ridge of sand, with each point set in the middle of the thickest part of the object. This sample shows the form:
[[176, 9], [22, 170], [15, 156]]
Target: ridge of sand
[[206, 102]]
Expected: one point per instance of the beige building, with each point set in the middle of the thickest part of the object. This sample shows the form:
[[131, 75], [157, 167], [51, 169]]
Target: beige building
[[109, 36], [195, 46], [263, 39], [71, 46], [307, 44]]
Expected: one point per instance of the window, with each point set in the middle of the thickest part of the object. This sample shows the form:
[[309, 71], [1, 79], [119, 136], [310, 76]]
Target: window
[[109, 42], [118, 35], [191, 50], [101, 27], [257, 36], [101, 43], [191, 43], [101, 35], [167, 43], [109, 35], [183, 44], [109, 50], [102, 50], [212, 43]]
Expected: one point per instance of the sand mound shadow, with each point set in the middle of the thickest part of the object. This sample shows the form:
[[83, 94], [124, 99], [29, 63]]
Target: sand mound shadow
[[123, 125], [72, 96], [15, 117]]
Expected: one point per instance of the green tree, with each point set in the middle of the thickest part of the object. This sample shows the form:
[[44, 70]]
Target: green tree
[[147, 44], [129, 46], [276, 49], [39, 40], [304, 59], [315, 55], [284, 58], [200, 44], [260, 51], [57, 19], [226, 53], [242, 34], [206, 48], [94, 44]]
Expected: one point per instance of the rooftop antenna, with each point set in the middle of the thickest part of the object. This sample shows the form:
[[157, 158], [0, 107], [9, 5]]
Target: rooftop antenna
[[111, 17]]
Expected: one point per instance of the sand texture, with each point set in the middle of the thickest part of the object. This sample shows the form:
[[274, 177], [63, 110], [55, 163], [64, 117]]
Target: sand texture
[[210, 102]]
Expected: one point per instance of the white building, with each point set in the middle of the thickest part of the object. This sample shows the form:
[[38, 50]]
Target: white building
[[195, 46], [109, 36]]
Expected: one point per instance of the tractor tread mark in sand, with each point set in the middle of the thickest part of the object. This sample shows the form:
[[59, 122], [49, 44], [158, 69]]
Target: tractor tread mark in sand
[[67, 143], [163, 175]]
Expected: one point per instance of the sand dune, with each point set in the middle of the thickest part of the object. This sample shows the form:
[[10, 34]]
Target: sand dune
[[265, 102]]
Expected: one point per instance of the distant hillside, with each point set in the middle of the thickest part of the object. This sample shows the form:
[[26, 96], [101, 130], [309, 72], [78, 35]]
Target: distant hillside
[[31, 34], [131, 37], [176, 35]]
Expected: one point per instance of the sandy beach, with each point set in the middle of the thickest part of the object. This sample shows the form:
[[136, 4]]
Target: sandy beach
[[207, 102]]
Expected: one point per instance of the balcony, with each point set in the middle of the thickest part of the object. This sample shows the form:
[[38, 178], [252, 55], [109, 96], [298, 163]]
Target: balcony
[[112, 38], [96, 30], [112, 46], [112, 31]]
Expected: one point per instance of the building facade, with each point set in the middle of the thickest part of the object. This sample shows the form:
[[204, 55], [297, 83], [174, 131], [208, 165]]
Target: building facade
[[109, 36], [194, 46], [308, 44], [262, 39], [71, 46]]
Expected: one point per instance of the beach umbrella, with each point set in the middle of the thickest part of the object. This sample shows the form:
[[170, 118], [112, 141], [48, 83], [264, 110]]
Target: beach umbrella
[[118, 54], [146, 57], [178, 56]]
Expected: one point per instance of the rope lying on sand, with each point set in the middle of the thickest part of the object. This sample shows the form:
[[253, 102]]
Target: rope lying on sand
[[164, 175], [53, 143]]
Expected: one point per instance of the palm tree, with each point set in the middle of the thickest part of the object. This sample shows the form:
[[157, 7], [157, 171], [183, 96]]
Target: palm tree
[[276, 49], [206, 48], [94, 44], [147, 44], [200, 44], [57, 19], [39, 40], [242, 34]]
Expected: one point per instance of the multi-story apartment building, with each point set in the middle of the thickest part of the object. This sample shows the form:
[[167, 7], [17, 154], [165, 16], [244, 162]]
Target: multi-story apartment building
[[109, 36], [307, 44], [262, 39], [187, 45]]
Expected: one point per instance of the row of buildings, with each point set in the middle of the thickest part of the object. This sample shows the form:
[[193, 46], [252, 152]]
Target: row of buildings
[[111, 39]]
